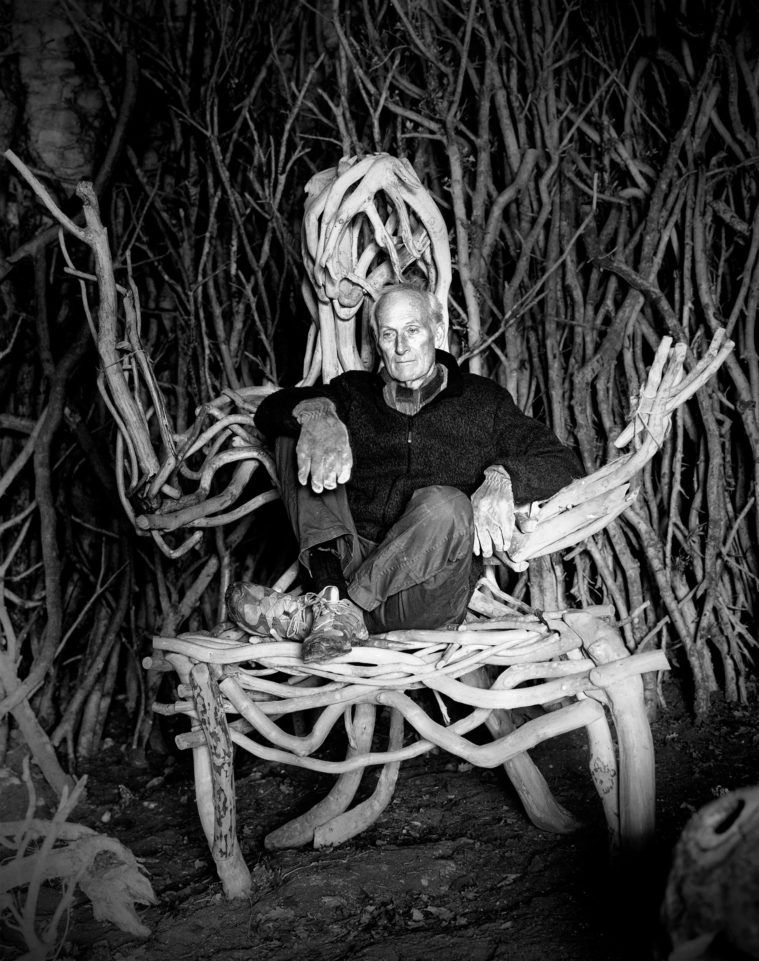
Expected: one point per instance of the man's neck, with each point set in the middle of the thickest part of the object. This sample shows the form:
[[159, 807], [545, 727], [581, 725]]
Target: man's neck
[[409, 400], [419, 382]]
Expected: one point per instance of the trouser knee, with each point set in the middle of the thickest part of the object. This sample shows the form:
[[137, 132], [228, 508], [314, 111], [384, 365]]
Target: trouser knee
[[446, 498], [444, 510]]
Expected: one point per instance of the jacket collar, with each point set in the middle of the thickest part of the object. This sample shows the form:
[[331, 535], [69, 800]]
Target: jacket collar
[[455, 383]]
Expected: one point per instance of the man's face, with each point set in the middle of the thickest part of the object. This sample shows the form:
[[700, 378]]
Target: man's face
[[406, 337]]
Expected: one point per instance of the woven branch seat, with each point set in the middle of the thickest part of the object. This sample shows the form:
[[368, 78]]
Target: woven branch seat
[[235, 688]]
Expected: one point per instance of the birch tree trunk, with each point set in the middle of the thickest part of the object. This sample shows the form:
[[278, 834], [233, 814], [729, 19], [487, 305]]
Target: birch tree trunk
[[60, 122]]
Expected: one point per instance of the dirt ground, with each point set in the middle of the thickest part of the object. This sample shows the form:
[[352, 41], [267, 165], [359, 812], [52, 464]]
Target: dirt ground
[[453, 869]]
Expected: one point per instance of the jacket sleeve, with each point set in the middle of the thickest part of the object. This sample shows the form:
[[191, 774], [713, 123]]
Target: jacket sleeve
[[274, 416], [536, 460]]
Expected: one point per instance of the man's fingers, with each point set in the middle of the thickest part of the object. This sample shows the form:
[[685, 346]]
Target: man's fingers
[[486, 545], [493, 521], [326, 468], [508, 537], [319, 473], [496, 536], [324, 453], [347, 466], [332, 468], [329, 479], [327, 471], [508, 527], [304, 465], [493, 533]]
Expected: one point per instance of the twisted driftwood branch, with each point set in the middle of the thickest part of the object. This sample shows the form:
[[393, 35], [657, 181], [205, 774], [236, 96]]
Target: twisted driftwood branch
[[541, 807], [348, 824], [342, 211], [590, 504], [302, 830], [163, 477]]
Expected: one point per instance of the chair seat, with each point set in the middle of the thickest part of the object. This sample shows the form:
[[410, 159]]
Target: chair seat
[[574, 664]]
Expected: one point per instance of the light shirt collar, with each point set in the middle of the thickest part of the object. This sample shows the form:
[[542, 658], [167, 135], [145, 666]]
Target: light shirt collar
[[408, 400]]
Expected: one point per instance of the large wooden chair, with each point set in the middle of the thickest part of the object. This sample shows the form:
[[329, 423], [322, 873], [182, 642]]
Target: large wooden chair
[[366, 222]]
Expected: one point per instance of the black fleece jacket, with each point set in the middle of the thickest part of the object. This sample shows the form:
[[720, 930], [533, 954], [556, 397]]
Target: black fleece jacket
[[472, 424]]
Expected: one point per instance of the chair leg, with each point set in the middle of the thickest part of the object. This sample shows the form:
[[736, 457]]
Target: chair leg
[[217, 759], [637, 798], [605, 774], [201, 760], [358, 819], [540, 805], [300, 830]]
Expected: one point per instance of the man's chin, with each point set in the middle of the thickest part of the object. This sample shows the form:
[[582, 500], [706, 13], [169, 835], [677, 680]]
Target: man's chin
[[404, 372]]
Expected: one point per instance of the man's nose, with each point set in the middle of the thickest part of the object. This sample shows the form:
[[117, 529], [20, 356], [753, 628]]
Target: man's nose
[[401, 345]]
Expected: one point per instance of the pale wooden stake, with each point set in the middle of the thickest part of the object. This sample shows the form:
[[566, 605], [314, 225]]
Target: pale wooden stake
[[230, 864]]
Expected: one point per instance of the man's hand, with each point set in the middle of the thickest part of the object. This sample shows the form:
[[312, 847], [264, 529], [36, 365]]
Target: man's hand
[[323, 450], [493, 505]]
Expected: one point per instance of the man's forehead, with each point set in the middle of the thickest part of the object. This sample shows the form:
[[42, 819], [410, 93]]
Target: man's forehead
[[401, 306]]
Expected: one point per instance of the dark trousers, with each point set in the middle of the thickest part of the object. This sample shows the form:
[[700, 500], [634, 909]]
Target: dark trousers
[[417, 576]]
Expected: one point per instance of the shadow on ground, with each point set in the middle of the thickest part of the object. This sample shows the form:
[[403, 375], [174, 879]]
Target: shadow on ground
[[453, 870]]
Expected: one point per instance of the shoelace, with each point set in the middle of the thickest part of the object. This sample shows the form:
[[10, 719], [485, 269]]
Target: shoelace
[[301, 620], [289, 616], [340, 609]]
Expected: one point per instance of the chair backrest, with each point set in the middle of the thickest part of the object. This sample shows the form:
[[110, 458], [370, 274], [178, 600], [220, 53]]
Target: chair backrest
[[368, 222]]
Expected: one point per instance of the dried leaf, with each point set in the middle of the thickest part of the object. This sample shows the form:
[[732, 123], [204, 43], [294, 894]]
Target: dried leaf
[[114, 882]]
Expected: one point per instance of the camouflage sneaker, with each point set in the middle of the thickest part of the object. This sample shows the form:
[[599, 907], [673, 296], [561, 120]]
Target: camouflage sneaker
[[336, 624], [264, 611]]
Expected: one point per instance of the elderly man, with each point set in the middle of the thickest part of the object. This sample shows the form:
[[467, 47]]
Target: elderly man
[[394, 480]]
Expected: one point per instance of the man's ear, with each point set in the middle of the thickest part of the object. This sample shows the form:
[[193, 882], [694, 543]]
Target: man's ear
[[440, 337]]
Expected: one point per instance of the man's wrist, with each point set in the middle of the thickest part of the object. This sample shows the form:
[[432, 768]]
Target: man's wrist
[[498, 475], [313, 409]]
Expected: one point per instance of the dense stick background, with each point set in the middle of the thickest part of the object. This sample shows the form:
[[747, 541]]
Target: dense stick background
[[596, 165]]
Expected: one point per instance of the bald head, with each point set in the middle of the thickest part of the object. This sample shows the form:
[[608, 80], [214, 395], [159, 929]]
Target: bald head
[[427, 303]]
